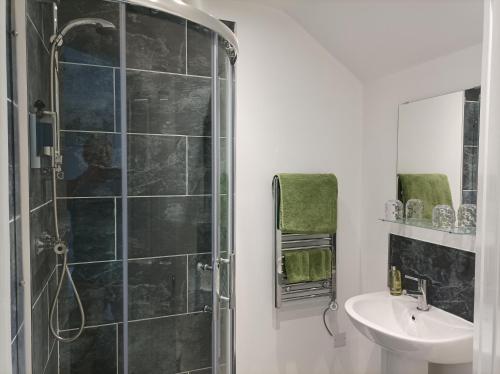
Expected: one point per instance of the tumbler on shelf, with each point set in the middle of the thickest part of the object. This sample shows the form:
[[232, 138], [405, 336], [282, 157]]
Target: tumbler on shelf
[[443, 217], [467, 217], [414, 210], [394, 210]]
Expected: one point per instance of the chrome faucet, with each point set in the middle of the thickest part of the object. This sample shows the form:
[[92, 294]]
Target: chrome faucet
[[420, 294]]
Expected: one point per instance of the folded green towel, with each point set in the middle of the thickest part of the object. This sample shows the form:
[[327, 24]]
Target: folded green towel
[[320, 264], [308, 203], [297, 266], [432, 189]]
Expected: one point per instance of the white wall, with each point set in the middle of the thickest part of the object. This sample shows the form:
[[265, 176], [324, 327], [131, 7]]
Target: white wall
[[451, 73], [298, 110]]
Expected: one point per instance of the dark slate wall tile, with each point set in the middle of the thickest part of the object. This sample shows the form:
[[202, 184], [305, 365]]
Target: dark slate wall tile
[[157, 287], [84, 44], [14, 353], [88, 227], [170, 345], [91, 165], [87, 98], [199, 165], [155, 41], [471, 123], [11, 160], [21, 353], [40, 333], [450, 272], [470, 168], [199, 50], [43, 258], [473, 94], [100, 288], [200, 283], [38, 68], [202, 371], [41, 14], [162, 226], [156, 165], [469, 197], [168, 104], [94, 352], [52, 366]]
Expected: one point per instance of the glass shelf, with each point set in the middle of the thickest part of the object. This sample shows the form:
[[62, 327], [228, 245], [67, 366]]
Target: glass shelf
[[428, 225]]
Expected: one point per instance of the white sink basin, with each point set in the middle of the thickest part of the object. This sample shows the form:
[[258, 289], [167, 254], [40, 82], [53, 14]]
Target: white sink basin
[[394, 323]]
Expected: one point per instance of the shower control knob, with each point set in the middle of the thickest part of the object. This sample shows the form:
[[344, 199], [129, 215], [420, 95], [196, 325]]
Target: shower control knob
[[207, 309], [203, 267]]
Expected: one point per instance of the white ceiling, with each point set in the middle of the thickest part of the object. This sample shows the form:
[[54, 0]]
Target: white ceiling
[[378, 37]]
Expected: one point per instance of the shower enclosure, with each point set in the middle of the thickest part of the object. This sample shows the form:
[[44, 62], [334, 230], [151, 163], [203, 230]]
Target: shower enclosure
[[145, 196]]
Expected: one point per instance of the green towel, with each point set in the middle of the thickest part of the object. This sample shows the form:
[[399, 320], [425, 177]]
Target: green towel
[[308, 203], [320, 264], [297, 266], [432, 189]]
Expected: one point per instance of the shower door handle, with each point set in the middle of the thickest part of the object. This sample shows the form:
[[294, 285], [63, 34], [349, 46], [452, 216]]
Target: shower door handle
[[229, 262]]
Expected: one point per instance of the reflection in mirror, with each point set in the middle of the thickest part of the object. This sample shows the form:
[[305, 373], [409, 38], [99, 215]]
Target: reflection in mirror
[[438, 140]]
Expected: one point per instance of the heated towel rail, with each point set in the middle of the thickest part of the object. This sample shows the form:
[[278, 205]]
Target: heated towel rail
[[286, 292]]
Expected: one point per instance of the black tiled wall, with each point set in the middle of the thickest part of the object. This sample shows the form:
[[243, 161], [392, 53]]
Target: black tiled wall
[[39, 23], [16, 271], [449, 272], [169, 187], [471, 145]]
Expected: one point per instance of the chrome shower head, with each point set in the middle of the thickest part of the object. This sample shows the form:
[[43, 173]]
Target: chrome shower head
[[97, 22]]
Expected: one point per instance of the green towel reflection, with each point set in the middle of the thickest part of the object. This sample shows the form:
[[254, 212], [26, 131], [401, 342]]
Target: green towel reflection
[[432, 189]]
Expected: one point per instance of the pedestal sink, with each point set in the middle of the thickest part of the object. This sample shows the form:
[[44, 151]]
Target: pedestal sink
[[394, 323]]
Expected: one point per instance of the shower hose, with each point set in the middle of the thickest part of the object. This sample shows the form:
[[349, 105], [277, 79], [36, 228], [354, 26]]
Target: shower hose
[[61, 249]]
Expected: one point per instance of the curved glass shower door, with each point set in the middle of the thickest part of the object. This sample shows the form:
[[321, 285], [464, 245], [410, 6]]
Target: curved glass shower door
[[147, 200], [177, 195]]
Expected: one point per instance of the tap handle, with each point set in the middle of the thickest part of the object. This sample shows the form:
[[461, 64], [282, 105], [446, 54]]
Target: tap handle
[[412, 278]]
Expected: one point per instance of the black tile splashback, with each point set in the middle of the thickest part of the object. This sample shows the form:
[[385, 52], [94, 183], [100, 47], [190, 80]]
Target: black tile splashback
[[88, 227], [156, 165], [170, 345], [155, 41], [85, 45], [94, 352], [449, 272], [168, 104], [81, 107], [163, 226], [91, 165]]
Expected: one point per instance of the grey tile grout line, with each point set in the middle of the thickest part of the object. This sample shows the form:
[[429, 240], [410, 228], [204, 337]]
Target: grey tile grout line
[[38, 33], [169, 73], [40, 206], [139, 70], [135, 133], [43, 288], [136, 259], [48, 360], [137, 320], [17, 333], [131, 197]]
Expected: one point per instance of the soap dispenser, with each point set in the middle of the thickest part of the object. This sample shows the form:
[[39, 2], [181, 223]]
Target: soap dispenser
[[395, 282]]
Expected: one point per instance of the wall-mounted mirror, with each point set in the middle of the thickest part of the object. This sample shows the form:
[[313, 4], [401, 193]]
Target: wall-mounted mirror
[[438, 144]]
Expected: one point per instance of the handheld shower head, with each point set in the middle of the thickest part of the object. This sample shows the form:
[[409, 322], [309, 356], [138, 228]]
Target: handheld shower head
[[98, 23]]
